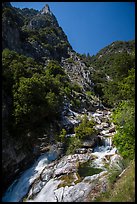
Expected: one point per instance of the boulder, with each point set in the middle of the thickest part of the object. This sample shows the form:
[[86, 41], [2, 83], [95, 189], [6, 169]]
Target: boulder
[[116, 162], [67, 168], [89, 150], [46, 174], [105, 125], [81, 151], [47, 192], [104, 132], [112, 130], [89, 143], [59, 194], [76, 193], [97, 120], [45, 149]]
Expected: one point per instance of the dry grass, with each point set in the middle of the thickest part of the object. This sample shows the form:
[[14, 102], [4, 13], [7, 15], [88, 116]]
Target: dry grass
[[123, 190]]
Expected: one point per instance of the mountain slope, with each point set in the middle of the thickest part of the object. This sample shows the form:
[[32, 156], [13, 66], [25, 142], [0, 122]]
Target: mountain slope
[[46, 84], [110, 66]]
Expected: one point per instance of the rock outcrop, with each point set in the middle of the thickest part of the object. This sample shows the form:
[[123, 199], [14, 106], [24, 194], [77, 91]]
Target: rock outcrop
[[46, 10], [41, 38]]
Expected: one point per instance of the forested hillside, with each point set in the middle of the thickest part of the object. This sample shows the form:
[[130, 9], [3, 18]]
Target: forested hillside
[[114, 78]]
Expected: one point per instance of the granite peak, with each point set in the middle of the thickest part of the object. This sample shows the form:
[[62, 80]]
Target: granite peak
[[46, 10]]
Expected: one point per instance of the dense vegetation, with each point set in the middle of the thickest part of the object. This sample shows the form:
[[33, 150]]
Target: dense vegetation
[[37, 91], [85, 130], [114, 78], [124, 119]]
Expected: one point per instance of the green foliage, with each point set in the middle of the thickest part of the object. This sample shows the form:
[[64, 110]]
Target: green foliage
[[27, 98], [36, 98], [72, 144], [117, 90], [121, 64], [15, 66], [128, 86], [111, 92], [76, 87], [53, 68], [77, 103], [37, 92], [90, 93], [85, 128], [67, 91], [124, 119], [115, 61], [86, 59], [70, 60], [63, 135]]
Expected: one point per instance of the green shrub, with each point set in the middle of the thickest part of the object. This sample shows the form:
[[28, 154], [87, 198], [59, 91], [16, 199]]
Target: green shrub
[[90, 93], [63, 135], [76, 87], [73, 143], [124, 119], [70, 60], [85, 128], [53, 68], [77, 103]]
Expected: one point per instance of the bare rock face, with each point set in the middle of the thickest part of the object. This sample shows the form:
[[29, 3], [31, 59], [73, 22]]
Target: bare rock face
[[11, 34], [116, 162], [89, 143], [6, 4], [14, 156], [46, 10], [81, 151], [77, 70]]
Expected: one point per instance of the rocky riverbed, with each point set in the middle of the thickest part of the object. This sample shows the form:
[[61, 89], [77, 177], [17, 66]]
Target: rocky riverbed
[[70, 178]]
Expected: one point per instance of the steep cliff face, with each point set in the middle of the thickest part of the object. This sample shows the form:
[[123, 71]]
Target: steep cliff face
[[11, 28]]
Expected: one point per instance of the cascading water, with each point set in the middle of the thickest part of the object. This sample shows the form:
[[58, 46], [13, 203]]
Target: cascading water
[[107, 141], [22, 185], [102, 151]]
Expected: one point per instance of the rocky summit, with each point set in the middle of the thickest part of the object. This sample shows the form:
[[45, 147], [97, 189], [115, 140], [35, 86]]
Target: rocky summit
[[46, 10], [66, 117]]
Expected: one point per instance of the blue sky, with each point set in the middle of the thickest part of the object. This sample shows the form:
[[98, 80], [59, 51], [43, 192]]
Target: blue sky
[[90, 26]]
